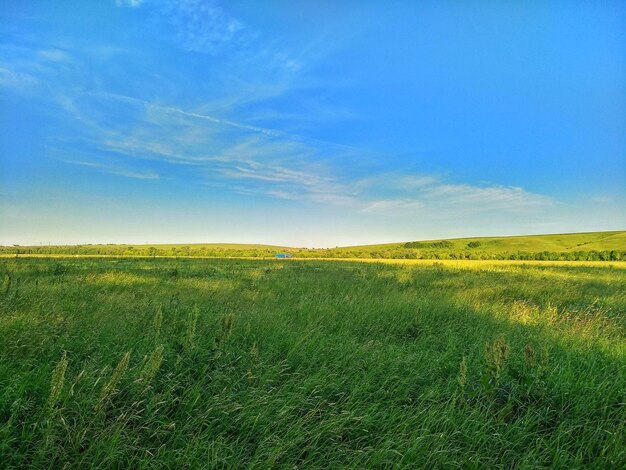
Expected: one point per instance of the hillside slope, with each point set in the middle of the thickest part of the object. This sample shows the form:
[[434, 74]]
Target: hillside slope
[[599, 241], [572, 246]]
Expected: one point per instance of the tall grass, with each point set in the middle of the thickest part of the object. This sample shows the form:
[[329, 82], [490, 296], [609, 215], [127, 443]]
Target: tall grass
[[262, 364], [58, 379]]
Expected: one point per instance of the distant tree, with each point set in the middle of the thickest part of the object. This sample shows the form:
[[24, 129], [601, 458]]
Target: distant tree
[[439, 244]]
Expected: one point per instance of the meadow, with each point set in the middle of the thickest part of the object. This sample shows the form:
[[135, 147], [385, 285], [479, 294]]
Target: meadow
[[232, 363]]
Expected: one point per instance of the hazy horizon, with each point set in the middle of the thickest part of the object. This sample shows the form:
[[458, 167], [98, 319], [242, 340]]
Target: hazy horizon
[[309, 246], [317, 124]]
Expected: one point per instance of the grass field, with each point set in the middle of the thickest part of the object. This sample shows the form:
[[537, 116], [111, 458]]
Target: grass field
[[187, 363]]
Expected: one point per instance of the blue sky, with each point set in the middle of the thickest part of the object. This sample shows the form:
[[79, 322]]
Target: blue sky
[[309, 123]]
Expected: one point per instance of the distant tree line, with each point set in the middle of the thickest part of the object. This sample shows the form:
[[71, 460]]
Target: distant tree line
[[413, 250], [439, 244]]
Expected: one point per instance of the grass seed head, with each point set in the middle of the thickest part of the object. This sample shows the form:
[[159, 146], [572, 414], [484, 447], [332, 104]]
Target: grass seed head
[[226, 328], [57, 381], [254, 353], [192, 322], [152, 366], [462, 378], [530, 356], [111, 386], [158, 321], [496, 355]]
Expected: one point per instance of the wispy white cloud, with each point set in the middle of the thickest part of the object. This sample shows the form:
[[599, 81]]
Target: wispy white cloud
[[392, 206], [205, 117], [55, 55], [115, 170], [128, 3], [436, 194], [273, 165], [26, 68], [214, 141], [486, 197], [14, 79], [602, 199], [201, 25]]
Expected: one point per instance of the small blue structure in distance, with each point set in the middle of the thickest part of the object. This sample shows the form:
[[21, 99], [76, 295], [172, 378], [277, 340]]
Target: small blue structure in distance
[[283, 255]]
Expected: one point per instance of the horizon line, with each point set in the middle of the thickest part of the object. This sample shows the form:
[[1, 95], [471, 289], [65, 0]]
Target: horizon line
[[312, 247]]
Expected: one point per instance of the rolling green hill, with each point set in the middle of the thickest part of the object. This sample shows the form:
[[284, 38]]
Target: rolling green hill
[[532, 243], [570, 246], [601, 246]]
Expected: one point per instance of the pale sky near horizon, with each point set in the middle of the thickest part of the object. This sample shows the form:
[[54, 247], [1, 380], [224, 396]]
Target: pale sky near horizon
[[311, 123]]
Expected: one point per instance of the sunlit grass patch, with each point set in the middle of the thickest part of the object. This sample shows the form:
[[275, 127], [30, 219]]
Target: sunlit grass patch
[[119, 278]]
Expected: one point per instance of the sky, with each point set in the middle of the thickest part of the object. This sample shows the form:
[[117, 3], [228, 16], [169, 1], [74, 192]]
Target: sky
[[313, 123]]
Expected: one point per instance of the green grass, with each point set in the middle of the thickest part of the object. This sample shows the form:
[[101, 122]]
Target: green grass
[[183, 363]]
